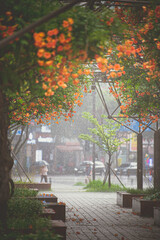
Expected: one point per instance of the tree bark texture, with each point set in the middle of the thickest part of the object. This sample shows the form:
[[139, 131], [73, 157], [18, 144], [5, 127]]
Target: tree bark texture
[[6, 162], [139, 161]]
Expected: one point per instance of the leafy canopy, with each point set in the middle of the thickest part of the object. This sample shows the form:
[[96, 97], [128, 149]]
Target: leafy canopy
[[44, 71], [103, 135]]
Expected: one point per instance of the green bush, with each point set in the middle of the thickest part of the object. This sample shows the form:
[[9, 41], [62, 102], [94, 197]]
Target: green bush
[[97, 186], [25, 223], [40, 235], [34, 224], [24, 192], [23, 207]]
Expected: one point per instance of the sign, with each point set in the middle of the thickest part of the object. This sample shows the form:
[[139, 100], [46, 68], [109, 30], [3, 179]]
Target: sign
[[133, 125], [45, 139], [133, 142]]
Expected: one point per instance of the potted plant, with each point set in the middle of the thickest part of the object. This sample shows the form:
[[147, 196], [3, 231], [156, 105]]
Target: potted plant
[[144, 206], [124, 198]]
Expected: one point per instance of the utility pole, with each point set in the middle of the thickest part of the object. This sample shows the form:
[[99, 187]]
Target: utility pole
[[94, 114]]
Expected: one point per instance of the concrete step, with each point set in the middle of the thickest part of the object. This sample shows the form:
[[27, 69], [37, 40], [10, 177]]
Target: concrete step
[[59, 227], [60, 210], [47, 197], [48, 213]]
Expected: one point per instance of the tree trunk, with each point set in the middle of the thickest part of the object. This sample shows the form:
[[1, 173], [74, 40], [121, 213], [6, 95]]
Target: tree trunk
[[140, 161], [6, 161], [108, 173], [157, 160]]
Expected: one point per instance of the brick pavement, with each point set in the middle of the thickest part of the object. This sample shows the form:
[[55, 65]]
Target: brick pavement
[[96, 216]]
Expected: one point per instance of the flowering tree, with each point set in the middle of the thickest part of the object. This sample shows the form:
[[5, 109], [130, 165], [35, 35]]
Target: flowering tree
[[135, 76], [43, 63], [43, 66]]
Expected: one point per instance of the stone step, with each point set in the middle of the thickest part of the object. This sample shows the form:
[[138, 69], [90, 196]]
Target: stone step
[[60, 210], [48, 213], [59, 227], [47, 198], [52, 199], [157, 216]]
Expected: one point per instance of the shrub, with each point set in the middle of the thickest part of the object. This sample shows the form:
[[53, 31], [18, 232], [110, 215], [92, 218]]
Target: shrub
[[24, 221], [24, 192], [40, 235], [23, 207]]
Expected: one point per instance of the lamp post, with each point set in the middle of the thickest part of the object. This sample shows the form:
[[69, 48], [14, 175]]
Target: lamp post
[[93, 87]]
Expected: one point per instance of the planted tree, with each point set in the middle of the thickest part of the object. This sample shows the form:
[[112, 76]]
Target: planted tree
[[105, 137]]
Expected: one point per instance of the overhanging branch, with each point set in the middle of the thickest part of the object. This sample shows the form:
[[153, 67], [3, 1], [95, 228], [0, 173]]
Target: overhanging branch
[[39, 22]]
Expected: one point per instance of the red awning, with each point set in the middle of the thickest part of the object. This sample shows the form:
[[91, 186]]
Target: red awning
[[69, 148]]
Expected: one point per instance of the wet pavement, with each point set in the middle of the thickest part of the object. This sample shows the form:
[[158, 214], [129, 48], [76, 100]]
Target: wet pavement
[[96, 216]]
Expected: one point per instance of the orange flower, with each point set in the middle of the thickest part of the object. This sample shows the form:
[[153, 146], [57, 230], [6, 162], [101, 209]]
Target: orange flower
[[40, 52], [62, 84], [49, 63], [80, 71], [41, 63], [158, 45], [70, 28], [53, 43], [8, 13], [53, 32], [41, 34], [116, 67], [65, 24], [44, 86], [47, 55], [113, 74], [119, 74], [62, 38], [87, 71], [67, 47], [61, 203], [74, 75], [76, 81], [60, 48], [71, 21]]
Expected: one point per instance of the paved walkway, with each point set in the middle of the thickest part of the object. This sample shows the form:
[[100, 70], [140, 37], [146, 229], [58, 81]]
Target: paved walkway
[[96, 216]]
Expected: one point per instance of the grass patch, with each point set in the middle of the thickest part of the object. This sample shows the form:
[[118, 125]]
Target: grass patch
[[97, 186], [79, 184]]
